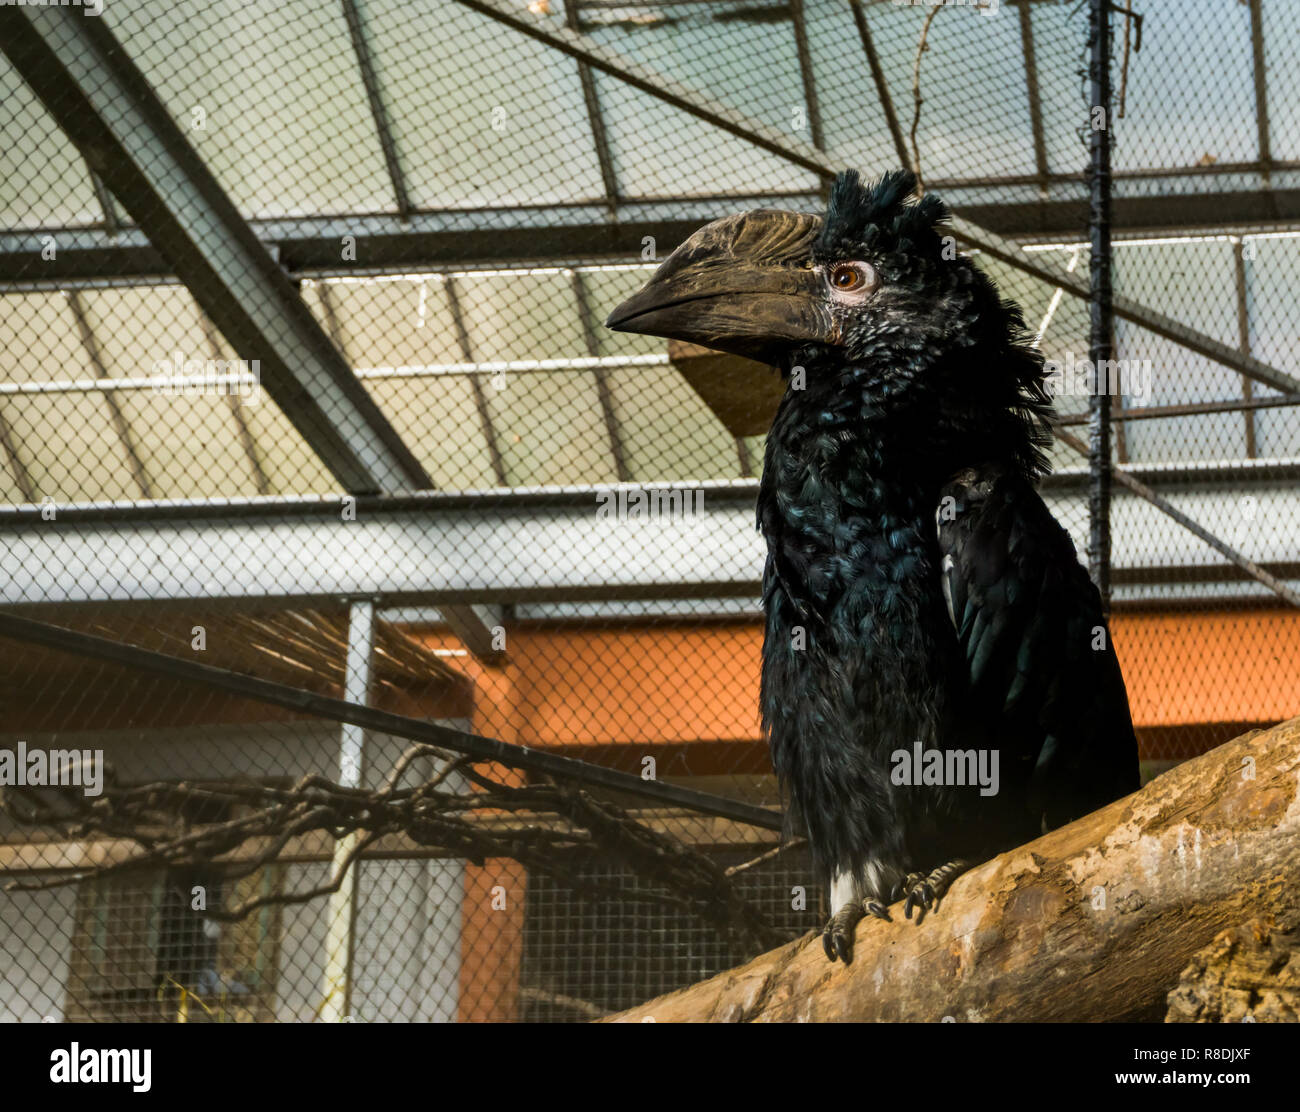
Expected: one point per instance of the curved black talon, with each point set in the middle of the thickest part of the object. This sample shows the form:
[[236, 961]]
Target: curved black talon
[[837, 943], [922, 896], [925, 892], [837, 937], [876, 908]]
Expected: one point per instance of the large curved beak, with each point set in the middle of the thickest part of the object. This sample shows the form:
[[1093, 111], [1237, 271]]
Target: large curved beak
[[743, 284]]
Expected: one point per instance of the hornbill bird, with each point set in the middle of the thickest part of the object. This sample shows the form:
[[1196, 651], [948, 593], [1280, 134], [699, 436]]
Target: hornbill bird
[[938, 683]]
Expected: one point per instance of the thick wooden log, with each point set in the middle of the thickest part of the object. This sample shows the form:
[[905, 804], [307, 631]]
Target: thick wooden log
[[1249, 974], [1094, 921]]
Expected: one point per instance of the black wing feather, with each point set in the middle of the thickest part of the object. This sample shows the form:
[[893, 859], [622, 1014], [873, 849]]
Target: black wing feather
[[1043, 675]]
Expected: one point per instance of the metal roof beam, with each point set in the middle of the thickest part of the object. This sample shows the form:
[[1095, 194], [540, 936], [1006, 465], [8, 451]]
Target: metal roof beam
[[573, 234], [535, 547], [596, 118], [473, 626], [107, 108], [378, 110], [828, 164]]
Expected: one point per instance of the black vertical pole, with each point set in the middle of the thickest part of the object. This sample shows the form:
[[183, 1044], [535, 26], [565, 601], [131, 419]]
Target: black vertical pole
[[1100, 348]]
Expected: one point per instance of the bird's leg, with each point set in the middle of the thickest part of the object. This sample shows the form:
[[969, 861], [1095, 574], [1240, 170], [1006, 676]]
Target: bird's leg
[[855, 895], [837, 937], [925, 891]]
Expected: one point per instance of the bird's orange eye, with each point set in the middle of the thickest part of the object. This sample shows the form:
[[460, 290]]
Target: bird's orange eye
[[846, 278], [851, 277]]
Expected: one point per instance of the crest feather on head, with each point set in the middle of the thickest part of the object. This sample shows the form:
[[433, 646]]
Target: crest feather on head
[[882, 214]]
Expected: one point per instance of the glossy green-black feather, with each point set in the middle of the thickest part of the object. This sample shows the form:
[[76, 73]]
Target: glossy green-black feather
[[899, 480]]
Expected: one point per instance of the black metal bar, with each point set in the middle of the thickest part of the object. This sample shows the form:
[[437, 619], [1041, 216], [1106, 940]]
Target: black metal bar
[[1035, 101], [1198, 573], [105, 199], [480, 399], [1261, 87], [120, 423], [739, 493], [1243, 342], [110, 112], [591, 99], [746, 458], [1190, 409], [1100, 308], [882, 89], [311, 246], [602, 381], [578, 45], [804, 54], [378, 112], [583, 773]]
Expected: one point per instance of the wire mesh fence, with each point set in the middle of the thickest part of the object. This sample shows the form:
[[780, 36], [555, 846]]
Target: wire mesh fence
[[304, 380]]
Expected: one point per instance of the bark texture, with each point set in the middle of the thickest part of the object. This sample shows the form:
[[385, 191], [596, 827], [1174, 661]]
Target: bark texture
[[1249, 973], [1095, 921]]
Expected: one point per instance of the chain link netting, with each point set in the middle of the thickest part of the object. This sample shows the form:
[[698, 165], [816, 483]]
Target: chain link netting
[[303, 377]]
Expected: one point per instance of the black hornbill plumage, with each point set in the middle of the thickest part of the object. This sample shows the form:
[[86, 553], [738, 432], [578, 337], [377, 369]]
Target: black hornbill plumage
[[921, 600]]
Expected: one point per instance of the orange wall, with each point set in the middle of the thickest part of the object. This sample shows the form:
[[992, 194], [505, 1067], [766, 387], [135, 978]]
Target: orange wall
[[1213, 666], [682, 684], [1194, 679]]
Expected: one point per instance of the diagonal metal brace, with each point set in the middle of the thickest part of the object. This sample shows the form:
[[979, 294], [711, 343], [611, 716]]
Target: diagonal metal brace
[[578, 45], [1193, 526], [578, 773], [108, 110]]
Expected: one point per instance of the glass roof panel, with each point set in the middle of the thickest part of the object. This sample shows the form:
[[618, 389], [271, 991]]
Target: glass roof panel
[[39, 339], [70, 447], [1191, 93], [525, 315], [662, 151], [967, 49], [1058, 58], [190, 447], [269, 95], [291, 467], [668, 433], [1281, 24], [603, 288], [438, 418], [482, 115], [1193, 283], [45, 180], [388, 322], [853, 118], [732, 53], [549, 428], [1272, 269]]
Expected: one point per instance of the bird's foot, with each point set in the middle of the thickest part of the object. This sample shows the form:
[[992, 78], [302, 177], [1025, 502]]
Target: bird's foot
[[924, 891], [837, 937]]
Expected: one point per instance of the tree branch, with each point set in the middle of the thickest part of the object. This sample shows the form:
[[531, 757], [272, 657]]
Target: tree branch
[[556, 822], [1095, 921]]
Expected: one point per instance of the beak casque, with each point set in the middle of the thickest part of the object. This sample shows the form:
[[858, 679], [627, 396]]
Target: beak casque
[[743, 284]]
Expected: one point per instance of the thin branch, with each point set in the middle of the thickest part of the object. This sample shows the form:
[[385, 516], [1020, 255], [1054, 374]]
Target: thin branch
[[917, 100], [793, 843], [445, 811]]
